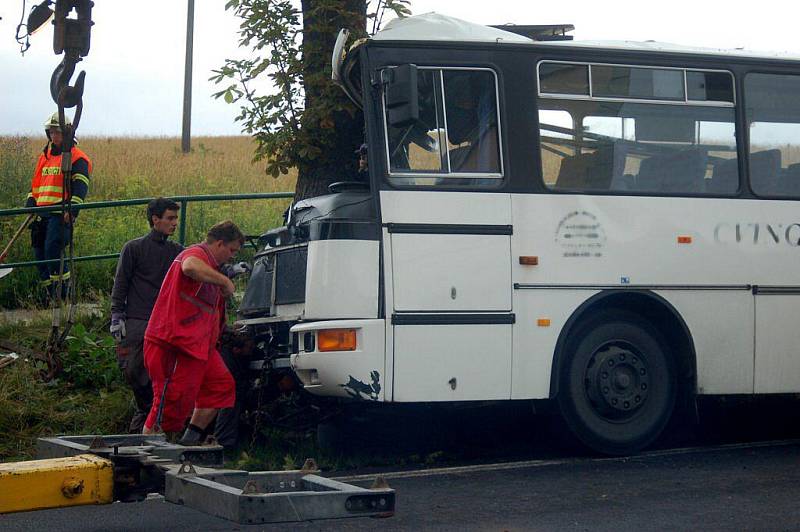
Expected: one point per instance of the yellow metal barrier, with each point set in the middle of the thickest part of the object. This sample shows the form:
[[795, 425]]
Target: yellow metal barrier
[[56, 482]]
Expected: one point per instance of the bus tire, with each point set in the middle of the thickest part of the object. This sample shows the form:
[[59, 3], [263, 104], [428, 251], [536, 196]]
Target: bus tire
[[617, 386]]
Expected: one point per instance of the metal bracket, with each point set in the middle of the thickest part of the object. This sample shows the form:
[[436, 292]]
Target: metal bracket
[[148, 463], [131, 445], [187, 469], [140, 461], [276, 496]]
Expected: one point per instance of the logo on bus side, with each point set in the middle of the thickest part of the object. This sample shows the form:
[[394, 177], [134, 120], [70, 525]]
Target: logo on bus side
[[580, 234], [757, 233]]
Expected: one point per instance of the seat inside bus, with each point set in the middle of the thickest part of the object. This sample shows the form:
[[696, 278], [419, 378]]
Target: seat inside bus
[[790, 180], [591, 171], [603, 169], [765, 171], [724, 177], [681, 171]]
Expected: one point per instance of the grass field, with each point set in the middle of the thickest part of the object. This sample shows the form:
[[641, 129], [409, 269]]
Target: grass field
[[126, 168]]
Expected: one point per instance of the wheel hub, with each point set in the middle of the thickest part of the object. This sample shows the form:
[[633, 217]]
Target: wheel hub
[[617, 381]]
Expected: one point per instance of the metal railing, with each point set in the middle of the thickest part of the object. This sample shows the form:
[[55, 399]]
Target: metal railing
[[183, 201]]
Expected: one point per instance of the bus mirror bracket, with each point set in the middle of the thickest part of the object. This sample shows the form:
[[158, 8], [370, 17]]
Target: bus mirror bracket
[[402, 95]]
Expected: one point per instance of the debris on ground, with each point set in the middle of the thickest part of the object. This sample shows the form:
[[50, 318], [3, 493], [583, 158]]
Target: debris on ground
[[6, 359]]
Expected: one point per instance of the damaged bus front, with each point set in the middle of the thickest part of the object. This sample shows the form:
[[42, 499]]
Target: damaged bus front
[[328, 289], [315, 288]]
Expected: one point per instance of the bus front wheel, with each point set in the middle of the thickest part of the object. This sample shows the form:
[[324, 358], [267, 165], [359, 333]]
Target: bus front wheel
[[617, 383]]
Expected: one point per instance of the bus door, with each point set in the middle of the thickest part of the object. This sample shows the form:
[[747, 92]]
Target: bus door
[[447, 251]]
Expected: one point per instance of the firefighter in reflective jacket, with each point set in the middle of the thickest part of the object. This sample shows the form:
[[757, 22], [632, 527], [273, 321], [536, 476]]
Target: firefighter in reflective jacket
[[50, 233]]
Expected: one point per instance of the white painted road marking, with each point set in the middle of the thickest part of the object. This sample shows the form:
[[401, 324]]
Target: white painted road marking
[[504, 466]]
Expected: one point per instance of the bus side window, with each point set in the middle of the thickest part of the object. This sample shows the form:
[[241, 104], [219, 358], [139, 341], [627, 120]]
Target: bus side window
[[471, 114], [416, 146], [456, 140], [773, 120], [637, 130]]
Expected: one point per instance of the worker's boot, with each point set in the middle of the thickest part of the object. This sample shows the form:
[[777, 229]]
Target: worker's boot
[[194, 435]]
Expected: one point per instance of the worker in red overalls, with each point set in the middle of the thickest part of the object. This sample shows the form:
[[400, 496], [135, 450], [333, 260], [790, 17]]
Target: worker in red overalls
[[180, 344]]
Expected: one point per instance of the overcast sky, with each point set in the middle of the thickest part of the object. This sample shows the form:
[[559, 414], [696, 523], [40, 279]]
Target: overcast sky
[[134, 82]]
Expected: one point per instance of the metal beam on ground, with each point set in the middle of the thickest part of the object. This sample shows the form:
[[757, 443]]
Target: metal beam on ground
[[136, 465], [56, 483]]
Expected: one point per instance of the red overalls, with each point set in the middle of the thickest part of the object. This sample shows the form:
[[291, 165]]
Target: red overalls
[[180, 344]]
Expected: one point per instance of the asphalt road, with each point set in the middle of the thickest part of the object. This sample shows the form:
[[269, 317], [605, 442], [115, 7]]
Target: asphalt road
[[732, 487]]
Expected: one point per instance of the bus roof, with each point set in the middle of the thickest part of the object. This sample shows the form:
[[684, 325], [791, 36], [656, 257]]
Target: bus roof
[[433, 27], [436, 27]]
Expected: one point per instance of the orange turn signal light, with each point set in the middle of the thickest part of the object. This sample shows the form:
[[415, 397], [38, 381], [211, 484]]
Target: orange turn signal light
[[543, 322], [336, 340], [529, 260], [684, 239]]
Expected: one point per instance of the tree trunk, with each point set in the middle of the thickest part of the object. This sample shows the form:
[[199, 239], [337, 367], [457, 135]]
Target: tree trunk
[[330, 121]]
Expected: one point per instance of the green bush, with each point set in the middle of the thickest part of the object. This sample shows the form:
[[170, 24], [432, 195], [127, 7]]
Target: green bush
[[89, 360]]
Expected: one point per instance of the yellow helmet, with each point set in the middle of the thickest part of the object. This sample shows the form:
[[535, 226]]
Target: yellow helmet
[[53, 121]]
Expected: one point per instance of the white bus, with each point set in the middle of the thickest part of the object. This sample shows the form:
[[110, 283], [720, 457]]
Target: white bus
[[609, 226]]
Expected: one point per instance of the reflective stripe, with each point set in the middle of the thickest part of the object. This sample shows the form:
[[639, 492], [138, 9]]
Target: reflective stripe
[[81, 177], [76, 199], [53, 188], [46, 283], [48, 200], [65, 277], [205, 307]]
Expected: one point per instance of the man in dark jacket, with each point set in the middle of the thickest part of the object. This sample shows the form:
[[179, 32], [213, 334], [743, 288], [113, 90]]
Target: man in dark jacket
[[142, 265]]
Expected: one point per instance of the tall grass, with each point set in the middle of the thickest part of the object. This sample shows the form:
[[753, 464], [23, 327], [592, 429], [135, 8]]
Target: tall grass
[[126, 168], [96, 402]]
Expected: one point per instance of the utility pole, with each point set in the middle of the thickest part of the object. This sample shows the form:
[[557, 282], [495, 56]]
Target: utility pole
[[187, 81]]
